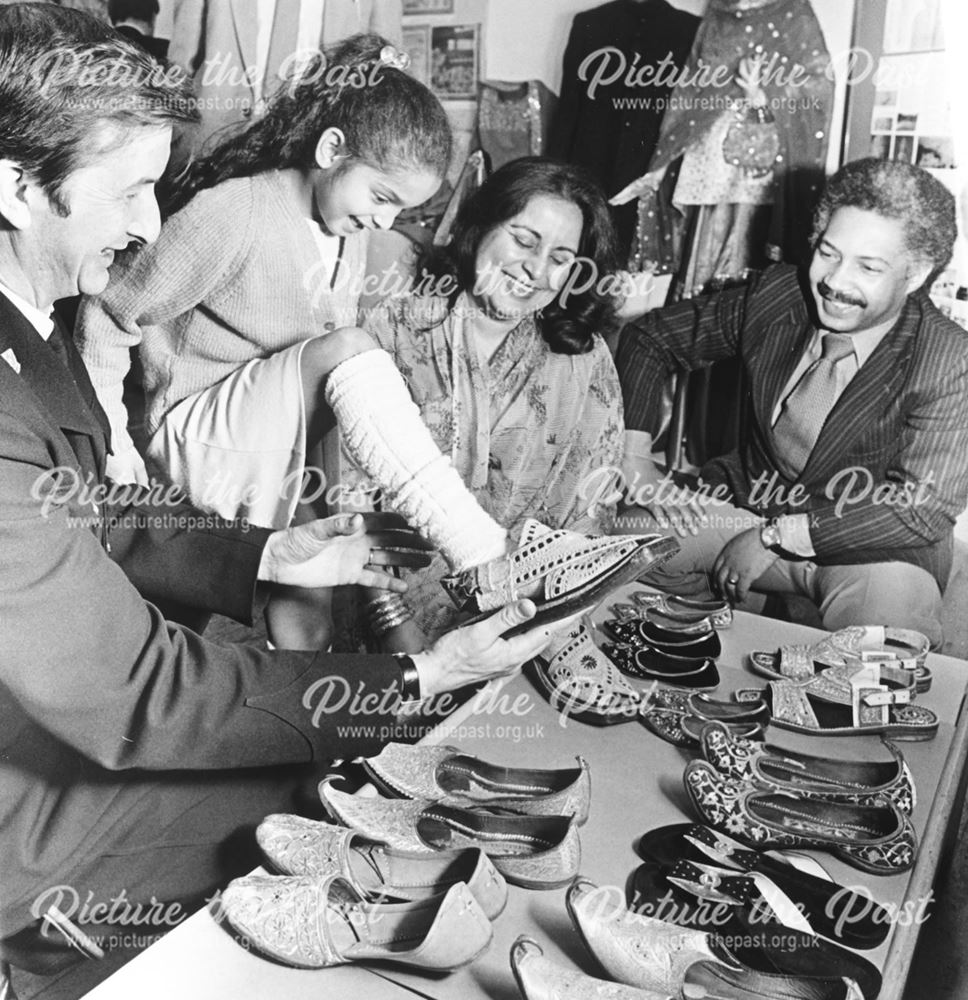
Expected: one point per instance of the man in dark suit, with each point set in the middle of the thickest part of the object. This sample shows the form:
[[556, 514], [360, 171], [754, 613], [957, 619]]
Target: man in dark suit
[[131, 750], [618, 70], [854, 466]]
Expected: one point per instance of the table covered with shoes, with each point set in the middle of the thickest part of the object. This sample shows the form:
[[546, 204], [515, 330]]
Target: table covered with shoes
[[725, 806]]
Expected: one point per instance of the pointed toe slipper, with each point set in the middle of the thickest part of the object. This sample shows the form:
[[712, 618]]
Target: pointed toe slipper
[[315, 923], [445, 774]]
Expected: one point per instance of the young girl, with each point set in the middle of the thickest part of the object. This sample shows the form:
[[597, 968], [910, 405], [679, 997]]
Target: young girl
[[261, 255], [243, 314]]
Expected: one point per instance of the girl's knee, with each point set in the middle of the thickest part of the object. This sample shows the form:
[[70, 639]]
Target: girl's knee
[[323, 354]]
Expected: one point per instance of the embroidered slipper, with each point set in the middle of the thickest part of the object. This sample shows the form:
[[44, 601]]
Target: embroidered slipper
[[563, 572], [580, 681], [446, 774], [686, 609], [879, 839], [298, 846], [859, 781], [536, 852], [315, 923]]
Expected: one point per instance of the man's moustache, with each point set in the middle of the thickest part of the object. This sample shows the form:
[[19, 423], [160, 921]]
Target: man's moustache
[[828, 293]]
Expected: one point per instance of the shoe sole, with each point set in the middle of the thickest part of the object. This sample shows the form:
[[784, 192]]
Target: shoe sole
[[588, 598]]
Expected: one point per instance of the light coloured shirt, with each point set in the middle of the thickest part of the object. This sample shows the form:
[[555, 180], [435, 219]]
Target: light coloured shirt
[[795, 528], [265, 15], [41, 321]]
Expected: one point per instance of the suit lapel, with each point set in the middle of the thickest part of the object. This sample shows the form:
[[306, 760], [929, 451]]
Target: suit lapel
[[245, 22], [778, 352], [864, 398], [59, 395]]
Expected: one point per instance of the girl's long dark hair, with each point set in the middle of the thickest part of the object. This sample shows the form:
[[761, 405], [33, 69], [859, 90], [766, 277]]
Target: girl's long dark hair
[[390, 120], [566, 326]]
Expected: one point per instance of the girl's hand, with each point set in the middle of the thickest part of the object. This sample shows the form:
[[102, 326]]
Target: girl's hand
[[127, 467]]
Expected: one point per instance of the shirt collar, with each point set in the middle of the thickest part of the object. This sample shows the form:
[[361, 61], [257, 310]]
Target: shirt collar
[[864, 343], [42, 322]]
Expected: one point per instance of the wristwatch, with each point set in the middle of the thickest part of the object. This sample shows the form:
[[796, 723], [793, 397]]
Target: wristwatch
[[409, 678], [770, 536]]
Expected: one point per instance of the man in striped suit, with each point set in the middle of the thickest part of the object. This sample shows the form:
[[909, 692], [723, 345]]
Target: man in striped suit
[[854, 465]]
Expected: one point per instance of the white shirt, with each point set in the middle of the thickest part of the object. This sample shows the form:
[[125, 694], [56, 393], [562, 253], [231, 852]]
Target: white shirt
[[41, 321]]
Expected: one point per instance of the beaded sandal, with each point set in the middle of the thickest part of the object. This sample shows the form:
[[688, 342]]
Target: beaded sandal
[[840, 710], [903, 649]]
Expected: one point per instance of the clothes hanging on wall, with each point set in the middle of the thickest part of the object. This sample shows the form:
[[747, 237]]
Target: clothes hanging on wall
[[619, 65], [798, 86]]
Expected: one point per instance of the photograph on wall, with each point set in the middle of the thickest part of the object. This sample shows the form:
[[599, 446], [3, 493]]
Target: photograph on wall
[[936, 152], [454, 61], [416, 43], [411, 7]]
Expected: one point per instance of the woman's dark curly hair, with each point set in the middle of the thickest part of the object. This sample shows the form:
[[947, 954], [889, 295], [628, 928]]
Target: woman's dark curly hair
[[390, 120], [567, 325], [901, 191]]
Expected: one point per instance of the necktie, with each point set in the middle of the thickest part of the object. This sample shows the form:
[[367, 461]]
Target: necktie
[[813, 397], [57, 343]]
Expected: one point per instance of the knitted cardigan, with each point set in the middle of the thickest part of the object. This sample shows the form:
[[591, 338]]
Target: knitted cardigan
[[235, 275]]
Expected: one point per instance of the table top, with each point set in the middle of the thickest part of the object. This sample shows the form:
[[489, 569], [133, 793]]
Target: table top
[[636, 786]]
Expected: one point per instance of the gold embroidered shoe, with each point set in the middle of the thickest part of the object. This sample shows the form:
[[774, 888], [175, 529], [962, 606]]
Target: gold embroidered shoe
[[298, 846], [580, 681], [536, 852], [562, 571], [876, 838], [669, 960], [538, 978], [862, 782], [444, 774], [313, 923]]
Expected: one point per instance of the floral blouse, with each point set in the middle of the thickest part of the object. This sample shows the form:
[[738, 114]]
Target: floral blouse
[[526, 430]]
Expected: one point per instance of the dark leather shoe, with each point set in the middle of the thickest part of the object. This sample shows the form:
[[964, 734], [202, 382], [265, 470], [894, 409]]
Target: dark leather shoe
[[851, 918], [735, 908]]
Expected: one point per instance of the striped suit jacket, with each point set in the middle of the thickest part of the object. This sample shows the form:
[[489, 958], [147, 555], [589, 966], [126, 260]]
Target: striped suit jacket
[[889, 472]]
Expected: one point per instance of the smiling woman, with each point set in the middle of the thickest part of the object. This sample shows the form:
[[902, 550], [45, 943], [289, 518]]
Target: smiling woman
[[510, 370]]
